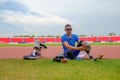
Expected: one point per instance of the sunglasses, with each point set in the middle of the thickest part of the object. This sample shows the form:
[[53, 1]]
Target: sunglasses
[[68, 29]]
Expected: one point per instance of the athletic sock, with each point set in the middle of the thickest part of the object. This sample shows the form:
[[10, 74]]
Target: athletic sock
[[34, 53]]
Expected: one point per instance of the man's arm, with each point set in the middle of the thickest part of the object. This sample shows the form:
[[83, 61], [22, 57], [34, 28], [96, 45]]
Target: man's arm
[[72, 48]]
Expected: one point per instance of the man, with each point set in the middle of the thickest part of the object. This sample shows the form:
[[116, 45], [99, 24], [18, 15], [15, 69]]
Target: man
[[68, 43]]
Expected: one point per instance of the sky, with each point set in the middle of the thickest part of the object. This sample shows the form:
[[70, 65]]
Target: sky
[[48, 17]]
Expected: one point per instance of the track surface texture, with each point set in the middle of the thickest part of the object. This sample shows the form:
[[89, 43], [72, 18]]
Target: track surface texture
[[17, 52]]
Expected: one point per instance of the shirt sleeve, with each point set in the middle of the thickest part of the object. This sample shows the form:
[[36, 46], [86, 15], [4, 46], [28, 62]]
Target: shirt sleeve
[[77, 39], [63, 39]]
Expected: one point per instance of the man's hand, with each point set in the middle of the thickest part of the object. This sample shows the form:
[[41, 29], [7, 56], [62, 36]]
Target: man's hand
[[81, 48], [87, 47], [72, 47], [84, 45]]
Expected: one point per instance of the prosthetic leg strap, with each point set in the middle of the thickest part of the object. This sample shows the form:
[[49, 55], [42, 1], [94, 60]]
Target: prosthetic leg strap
[[90, 55]]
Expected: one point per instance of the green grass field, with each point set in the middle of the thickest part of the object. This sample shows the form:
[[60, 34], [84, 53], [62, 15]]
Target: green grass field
[[17, 69], [59, 44]]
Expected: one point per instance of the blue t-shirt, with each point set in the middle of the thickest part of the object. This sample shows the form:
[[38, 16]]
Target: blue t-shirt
[[71, 41]]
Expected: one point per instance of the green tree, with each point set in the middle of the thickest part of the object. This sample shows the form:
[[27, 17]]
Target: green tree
[[112, 34]]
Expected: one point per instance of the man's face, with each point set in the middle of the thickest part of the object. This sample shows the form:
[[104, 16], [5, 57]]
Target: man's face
[[68, 30]]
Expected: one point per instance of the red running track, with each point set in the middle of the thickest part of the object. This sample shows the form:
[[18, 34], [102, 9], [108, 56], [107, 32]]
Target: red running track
[[109, 52]]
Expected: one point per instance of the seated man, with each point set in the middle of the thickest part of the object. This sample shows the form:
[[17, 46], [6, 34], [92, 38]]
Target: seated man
[[68, 44], [36, 50]]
